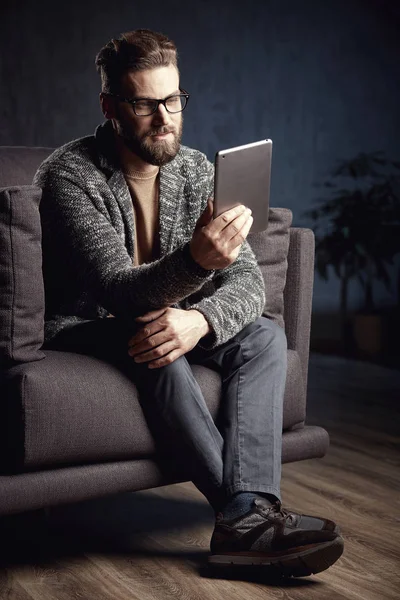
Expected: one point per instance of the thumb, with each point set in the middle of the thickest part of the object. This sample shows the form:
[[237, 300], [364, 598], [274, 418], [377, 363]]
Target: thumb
[[206, 216]]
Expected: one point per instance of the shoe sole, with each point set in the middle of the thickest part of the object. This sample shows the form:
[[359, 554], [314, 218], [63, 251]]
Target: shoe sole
[[299, 564]]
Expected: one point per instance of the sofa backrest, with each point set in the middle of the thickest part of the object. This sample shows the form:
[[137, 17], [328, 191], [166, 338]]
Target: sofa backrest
[[18, 164]]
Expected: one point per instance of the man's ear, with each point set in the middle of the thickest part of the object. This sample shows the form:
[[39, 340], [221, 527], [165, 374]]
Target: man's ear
[[107, 104]]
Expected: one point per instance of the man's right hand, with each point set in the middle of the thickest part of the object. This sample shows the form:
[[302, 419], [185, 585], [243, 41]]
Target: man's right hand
[[216, 243]]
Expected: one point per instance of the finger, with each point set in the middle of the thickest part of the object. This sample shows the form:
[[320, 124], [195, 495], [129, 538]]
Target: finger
[[156, 353], [166, 360], [241, 235], [230, 235], [149, 343], [210, 209], [150, 316], [225, 218], [236, 226], [146, 332], [206, 216]]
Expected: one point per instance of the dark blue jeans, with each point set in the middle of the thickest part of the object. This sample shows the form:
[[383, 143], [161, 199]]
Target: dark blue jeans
[[242, 450]]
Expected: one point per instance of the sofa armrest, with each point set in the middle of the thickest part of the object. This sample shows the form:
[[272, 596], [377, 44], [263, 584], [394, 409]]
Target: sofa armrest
[[298, 294]]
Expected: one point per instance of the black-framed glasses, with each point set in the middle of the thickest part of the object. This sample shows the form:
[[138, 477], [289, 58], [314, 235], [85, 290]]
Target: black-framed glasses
[[144, 107]]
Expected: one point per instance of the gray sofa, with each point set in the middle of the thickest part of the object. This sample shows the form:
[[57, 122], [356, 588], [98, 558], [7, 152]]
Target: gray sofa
[[71, 427]]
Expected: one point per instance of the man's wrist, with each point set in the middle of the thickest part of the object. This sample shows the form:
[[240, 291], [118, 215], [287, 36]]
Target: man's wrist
[[205, 327]]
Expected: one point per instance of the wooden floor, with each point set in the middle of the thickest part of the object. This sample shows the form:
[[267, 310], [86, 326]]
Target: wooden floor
[[153, 544]]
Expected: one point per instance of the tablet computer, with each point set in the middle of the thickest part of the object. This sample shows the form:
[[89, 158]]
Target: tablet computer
[[242, 176]]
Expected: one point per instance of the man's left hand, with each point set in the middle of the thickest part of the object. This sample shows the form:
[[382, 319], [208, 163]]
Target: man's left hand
[[167, 334]]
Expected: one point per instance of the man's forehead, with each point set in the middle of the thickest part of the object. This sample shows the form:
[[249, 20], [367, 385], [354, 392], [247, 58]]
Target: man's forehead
[[151, 83]]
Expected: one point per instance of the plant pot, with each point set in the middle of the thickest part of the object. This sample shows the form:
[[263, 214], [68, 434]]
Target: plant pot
[[368, 333]]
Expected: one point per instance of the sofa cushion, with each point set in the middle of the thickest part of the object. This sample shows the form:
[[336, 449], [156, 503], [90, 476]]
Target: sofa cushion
[[21, 281], [271, 249], [73, 409]]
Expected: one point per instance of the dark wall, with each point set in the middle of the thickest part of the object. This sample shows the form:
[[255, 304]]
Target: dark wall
[[320, 78]]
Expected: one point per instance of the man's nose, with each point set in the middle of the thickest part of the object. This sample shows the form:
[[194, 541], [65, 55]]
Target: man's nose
[[161, 115]]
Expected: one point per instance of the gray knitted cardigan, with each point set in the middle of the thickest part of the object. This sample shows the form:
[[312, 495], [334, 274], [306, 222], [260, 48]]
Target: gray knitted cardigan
[[88, 244]]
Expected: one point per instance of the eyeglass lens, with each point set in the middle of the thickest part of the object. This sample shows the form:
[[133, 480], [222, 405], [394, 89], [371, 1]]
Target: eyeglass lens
[[173, 104]]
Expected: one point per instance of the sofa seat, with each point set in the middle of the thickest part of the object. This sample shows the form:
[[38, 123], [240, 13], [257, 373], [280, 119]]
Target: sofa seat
[[72, 409]]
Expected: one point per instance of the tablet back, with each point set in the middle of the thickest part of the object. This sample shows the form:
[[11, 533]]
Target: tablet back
[[242, 176]]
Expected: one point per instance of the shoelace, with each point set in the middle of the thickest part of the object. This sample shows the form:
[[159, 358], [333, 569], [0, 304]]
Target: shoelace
[[277, 509]]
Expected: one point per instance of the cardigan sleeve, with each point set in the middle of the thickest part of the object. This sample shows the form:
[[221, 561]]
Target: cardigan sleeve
[[238, 299]]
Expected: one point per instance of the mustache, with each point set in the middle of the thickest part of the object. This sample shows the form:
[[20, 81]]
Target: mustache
[[159, 131]]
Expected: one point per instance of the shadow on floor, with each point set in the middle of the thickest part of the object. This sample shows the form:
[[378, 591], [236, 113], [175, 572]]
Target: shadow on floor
[[119, 525], [113, 524]]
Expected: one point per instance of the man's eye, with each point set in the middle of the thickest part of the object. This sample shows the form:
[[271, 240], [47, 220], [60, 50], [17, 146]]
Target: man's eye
[[144, 104], [173, 101]]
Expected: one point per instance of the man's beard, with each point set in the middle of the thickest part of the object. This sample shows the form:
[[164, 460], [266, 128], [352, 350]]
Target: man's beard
[[158, 152]]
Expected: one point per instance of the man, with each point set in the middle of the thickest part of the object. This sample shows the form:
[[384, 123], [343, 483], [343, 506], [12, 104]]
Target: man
[[128, 234]]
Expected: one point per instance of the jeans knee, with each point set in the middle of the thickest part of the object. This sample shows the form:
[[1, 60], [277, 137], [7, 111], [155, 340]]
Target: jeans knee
[[169, 371], [272, 336], [160, 385]]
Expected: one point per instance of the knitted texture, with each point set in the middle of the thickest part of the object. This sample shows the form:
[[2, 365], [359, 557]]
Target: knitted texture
[[88, 244]]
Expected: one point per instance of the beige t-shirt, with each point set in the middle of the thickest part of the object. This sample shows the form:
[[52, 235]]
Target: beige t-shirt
[[144, 188]]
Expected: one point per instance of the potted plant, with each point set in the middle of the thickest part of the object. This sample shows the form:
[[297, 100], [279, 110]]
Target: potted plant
[[357, 233]]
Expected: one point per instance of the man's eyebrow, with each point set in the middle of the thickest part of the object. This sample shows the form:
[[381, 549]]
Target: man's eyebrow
[[150, 98]]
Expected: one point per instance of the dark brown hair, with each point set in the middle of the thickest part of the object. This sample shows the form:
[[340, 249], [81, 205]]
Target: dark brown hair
[[133, 51]]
